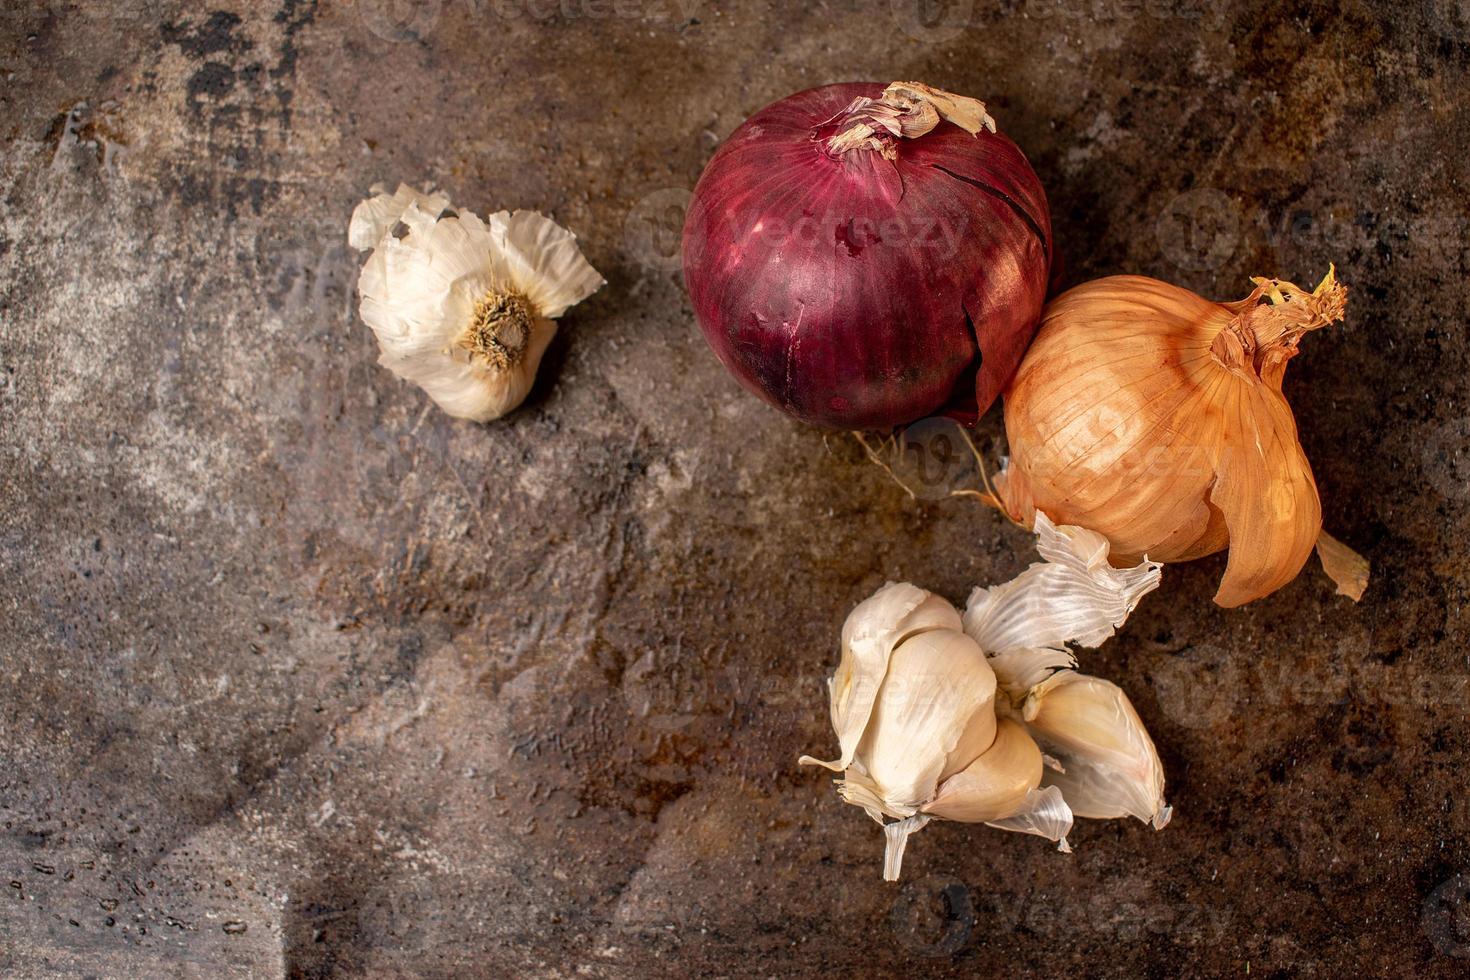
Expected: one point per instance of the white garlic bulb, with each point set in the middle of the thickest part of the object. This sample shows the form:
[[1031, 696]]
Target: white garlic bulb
[[935, 723], [463, 307]]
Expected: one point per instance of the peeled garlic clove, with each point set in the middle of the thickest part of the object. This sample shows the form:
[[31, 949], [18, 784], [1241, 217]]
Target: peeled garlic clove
[[1110, 766], [1073, 596], [463, 306], [934, 715], [872, 630], [996, 784]]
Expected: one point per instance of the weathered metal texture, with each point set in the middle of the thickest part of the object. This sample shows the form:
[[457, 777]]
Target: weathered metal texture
[[302, 677]]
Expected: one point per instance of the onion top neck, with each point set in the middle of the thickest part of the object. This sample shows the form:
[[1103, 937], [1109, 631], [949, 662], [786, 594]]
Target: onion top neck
[[905, 110], [1262, 336]]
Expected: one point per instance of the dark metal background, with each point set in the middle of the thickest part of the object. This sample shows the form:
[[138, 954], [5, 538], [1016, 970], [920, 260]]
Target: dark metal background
[[300, 676]]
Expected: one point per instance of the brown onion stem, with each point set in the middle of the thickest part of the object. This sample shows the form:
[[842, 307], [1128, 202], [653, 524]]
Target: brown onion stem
[[1266, 333]]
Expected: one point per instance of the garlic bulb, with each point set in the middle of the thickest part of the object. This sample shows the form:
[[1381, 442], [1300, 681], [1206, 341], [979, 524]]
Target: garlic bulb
[[1156, 418], [463, 307], [940, 716]]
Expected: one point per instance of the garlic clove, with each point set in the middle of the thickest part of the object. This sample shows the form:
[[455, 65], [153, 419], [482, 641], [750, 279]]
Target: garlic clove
[[1073, 596], [934, 715], [996, 784], [872, 630], [376, 216], [1110, 767], [1045, 813]]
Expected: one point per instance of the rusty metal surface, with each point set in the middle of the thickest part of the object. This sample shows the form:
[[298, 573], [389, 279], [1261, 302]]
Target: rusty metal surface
[[302, 677]]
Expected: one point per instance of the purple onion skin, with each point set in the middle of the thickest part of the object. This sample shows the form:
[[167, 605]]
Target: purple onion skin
[[849, 291]]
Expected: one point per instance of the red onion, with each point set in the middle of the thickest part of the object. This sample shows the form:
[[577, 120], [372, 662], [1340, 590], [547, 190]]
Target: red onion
[[862, 257]]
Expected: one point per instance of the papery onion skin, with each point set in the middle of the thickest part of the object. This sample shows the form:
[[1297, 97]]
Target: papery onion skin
[[1139, 413], [848, 289]]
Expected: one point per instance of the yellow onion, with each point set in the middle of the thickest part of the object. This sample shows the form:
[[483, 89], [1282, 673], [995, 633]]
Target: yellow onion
[[1156, 418]]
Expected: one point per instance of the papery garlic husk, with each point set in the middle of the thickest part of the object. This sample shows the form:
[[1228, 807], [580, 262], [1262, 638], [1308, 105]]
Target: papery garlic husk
[[1108, 765], [1156, 418], [463, 307], [1074, 596]]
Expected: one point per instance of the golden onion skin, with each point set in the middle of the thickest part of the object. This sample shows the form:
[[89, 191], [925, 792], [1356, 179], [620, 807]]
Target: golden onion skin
[[1155, 417]]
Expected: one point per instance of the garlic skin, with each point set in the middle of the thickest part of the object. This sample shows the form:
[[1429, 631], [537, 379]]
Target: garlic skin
[[1105, 764], [942, 716], [1156, 418], [1074, 596], [463, 307]]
